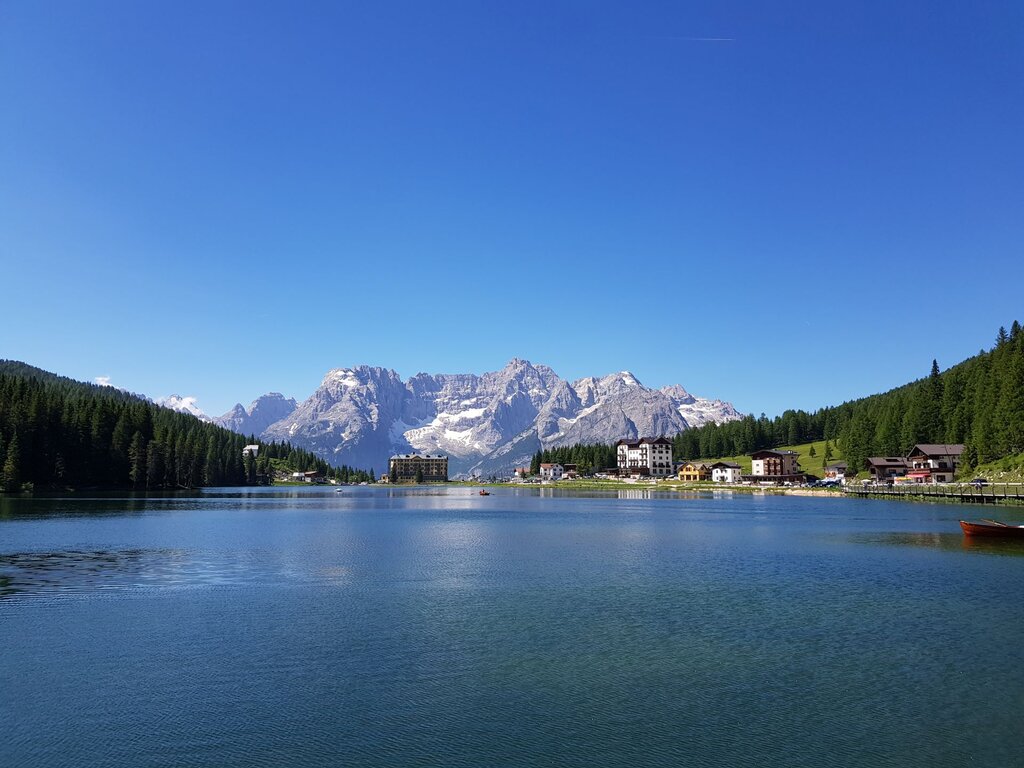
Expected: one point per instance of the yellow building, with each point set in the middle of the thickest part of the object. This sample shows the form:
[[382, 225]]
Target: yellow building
[[694, 472]]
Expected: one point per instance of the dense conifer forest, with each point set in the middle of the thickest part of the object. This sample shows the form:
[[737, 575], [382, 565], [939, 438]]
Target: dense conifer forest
[[979, 402], [56, 432], [588, 458]]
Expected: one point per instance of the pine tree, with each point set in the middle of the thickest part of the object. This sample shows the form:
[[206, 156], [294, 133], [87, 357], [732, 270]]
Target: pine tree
[[11, 474], [154, 465], [250, 468], [211, 464], [932, 425], [137, 460], [1010, 409]]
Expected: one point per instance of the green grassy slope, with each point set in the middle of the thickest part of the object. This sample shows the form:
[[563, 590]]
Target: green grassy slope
[[810, 464]]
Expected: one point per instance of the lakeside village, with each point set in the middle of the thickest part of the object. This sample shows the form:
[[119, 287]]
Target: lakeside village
[[650, 460]]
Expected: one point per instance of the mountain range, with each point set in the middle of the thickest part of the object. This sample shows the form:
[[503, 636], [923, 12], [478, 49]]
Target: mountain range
[[485, 423]]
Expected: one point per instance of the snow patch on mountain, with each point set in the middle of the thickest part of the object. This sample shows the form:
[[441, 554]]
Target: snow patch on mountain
[[485, 423], [183, 404]]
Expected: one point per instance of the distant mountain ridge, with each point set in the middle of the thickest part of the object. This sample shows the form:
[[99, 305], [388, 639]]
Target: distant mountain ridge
[[262, 412], [485, 423]]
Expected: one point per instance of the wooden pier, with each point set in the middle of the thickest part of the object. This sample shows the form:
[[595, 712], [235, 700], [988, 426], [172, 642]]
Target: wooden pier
[[965, 493]]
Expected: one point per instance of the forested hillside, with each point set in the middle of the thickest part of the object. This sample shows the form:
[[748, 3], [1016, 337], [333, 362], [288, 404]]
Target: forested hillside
[[979, 402], [57, 432]]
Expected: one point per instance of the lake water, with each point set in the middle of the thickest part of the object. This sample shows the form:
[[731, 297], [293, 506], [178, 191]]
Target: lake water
[[422, 627]]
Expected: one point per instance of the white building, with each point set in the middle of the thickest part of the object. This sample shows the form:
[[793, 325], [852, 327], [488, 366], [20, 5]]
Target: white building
[[930, 463], [253, 450], [726, 472], [551, 471], [646, 456]]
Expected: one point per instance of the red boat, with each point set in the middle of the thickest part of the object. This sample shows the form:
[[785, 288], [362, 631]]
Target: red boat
[[484, 493], [993, 528]]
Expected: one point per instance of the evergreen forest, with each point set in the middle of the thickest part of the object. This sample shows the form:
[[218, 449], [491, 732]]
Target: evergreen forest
[[979, 402], [56, 432], [588, 458]]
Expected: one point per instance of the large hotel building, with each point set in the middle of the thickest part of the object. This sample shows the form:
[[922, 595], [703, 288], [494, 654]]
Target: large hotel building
[[405, 466], [646, 456]]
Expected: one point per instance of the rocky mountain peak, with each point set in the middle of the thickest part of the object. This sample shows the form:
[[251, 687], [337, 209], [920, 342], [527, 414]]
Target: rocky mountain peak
[[489, 422], [262, 412]]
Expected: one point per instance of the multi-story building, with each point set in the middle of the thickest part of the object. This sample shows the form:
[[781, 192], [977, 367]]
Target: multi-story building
[[646, 456], [930, 463], [777, 466], [406, 466], [551, 471]]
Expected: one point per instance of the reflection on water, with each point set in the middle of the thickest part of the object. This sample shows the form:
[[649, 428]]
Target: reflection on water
[[433, 627], [43, 573], [944, 541]]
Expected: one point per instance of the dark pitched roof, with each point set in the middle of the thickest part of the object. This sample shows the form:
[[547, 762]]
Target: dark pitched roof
[[769, 452], [644, 441], [887, 461], [725, 465], [936, 449]]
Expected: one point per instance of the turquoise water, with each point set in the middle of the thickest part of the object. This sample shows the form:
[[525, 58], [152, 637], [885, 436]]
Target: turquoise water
[[383, 627]]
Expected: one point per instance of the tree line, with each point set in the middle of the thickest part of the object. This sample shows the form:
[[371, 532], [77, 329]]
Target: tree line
[[979, 402], [57, 432], [588, 457]]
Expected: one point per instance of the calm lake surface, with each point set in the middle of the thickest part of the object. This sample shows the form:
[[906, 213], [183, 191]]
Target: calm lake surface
[[423, 627]]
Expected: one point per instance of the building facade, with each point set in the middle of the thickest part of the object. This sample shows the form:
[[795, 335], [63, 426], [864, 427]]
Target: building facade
[[885, 469], [726, 472], [406, 466], [695, 472], [551, 471], [836, 471], [646, 456], [931, 463], [776, 466]]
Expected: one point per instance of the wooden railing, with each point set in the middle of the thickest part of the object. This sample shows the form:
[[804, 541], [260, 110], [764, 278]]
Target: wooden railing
[[971, 493]]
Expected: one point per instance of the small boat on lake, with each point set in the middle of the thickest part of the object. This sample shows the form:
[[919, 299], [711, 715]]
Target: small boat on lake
[[484, 492], [993, 528]]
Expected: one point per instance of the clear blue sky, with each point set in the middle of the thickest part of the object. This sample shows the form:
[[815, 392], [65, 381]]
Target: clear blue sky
[[779, 204]]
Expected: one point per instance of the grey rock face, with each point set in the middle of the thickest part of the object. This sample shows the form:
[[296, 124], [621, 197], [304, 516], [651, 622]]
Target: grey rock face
[[488, 423], [263, 412]]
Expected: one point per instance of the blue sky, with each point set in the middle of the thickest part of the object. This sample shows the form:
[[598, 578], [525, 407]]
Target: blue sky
[[782, 205]]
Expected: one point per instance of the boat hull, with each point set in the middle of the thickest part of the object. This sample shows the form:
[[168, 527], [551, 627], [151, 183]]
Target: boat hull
[[996, 531]]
